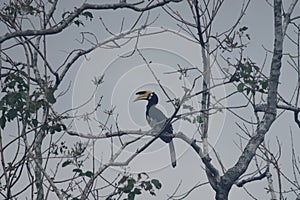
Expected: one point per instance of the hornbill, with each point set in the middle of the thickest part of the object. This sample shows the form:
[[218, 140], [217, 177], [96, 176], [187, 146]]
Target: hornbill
[[156, 119]]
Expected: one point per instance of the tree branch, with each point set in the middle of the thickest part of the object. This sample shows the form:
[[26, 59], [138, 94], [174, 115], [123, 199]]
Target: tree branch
[[244, 160], [86, 6], [254, 178]]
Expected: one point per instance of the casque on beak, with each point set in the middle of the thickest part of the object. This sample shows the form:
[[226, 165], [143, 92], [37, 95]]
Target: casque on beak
[[142, 95]]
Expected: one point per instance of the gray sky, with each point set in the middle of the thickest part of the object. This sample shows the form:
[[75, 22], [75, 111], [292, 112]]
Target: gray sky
[[126, 75]]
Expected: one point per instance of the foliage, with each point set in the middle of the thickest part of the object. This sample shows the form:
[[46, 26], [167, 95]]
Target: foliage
[[133, 185], [78, 21], [249, 78]]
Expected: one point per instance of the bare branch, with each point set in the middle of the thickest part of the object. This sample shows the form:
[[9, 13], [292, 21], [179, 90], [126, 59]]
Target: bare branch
[[86, 6]]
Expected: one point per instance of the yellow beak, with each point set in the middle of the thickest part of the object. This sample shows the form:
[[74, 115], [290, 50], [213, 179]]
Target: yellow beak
[[142, 95]]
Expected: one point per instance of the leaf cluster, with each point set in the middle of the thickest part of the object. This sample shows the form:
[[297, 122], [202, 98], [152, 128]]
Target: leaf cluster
[[135, 185], [78, 21], [19, 8], [17, 102], [13, 101], [249, 78], [74, 154], [236, 40], [194, 118]]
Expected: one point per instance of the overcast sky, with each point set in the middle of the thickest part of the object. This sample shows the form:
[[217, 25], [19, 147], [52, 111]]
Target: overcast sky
[[126, 75]]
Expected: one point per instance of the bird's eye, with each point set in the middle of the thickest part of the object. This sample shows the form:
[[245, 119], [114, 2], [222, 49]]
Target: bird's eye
[[150, 96]]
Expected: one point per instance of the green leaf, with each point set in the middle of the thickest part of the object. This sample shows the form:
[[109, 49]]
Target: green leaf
[[51, 130], [152, 193], [50, 95], [131, 181], [88, 15], [11, 99], [34, 122], [11, 84], [248, 90], [63, 127], [123, 179], [57, 128], [248, 36], [185, 106], [89, 174], [2, 105], [2, 121], [34, 106], [187, 119], [11, 114], [78, 22], [139, 176], [77, 170], [66, 163], [137, 191], [127, 188], [240, 87], [199, 119], [264, 84], [156, 183], [244, 28], [148, 185], [131, 196]]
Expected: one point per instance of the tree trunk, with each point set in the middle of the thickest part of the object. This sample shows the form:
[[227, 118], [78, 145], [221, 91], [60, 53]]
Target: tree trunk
[[223, 188], [222, 194], [37, 171]]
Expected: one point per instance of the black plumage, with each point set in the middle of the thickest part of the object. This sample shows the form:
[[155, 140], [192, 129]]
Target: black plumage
[[156, 116], [156, 119]]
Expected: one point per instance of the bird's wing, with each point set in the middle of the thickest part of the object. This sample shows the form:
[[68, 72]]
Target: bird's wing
[[157, 118]]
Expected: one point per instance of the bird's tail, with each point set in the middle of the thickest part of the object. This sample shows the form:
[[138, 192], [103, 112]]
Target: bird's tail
[[172, 153]]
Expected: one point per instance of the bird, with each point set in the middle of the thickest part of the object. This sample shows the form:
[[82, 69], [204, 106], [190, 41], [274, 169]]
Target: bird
[[156, 120]]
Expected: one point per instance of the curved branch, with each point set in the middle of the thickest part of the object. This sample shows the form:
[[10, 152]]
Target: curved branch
[[86, 6], [153, 132], [254, 178]]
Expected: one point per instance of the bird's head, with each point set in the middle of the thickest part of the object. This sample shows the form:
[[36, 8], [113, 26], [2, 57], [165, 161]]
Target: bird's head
[[148, 95]]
